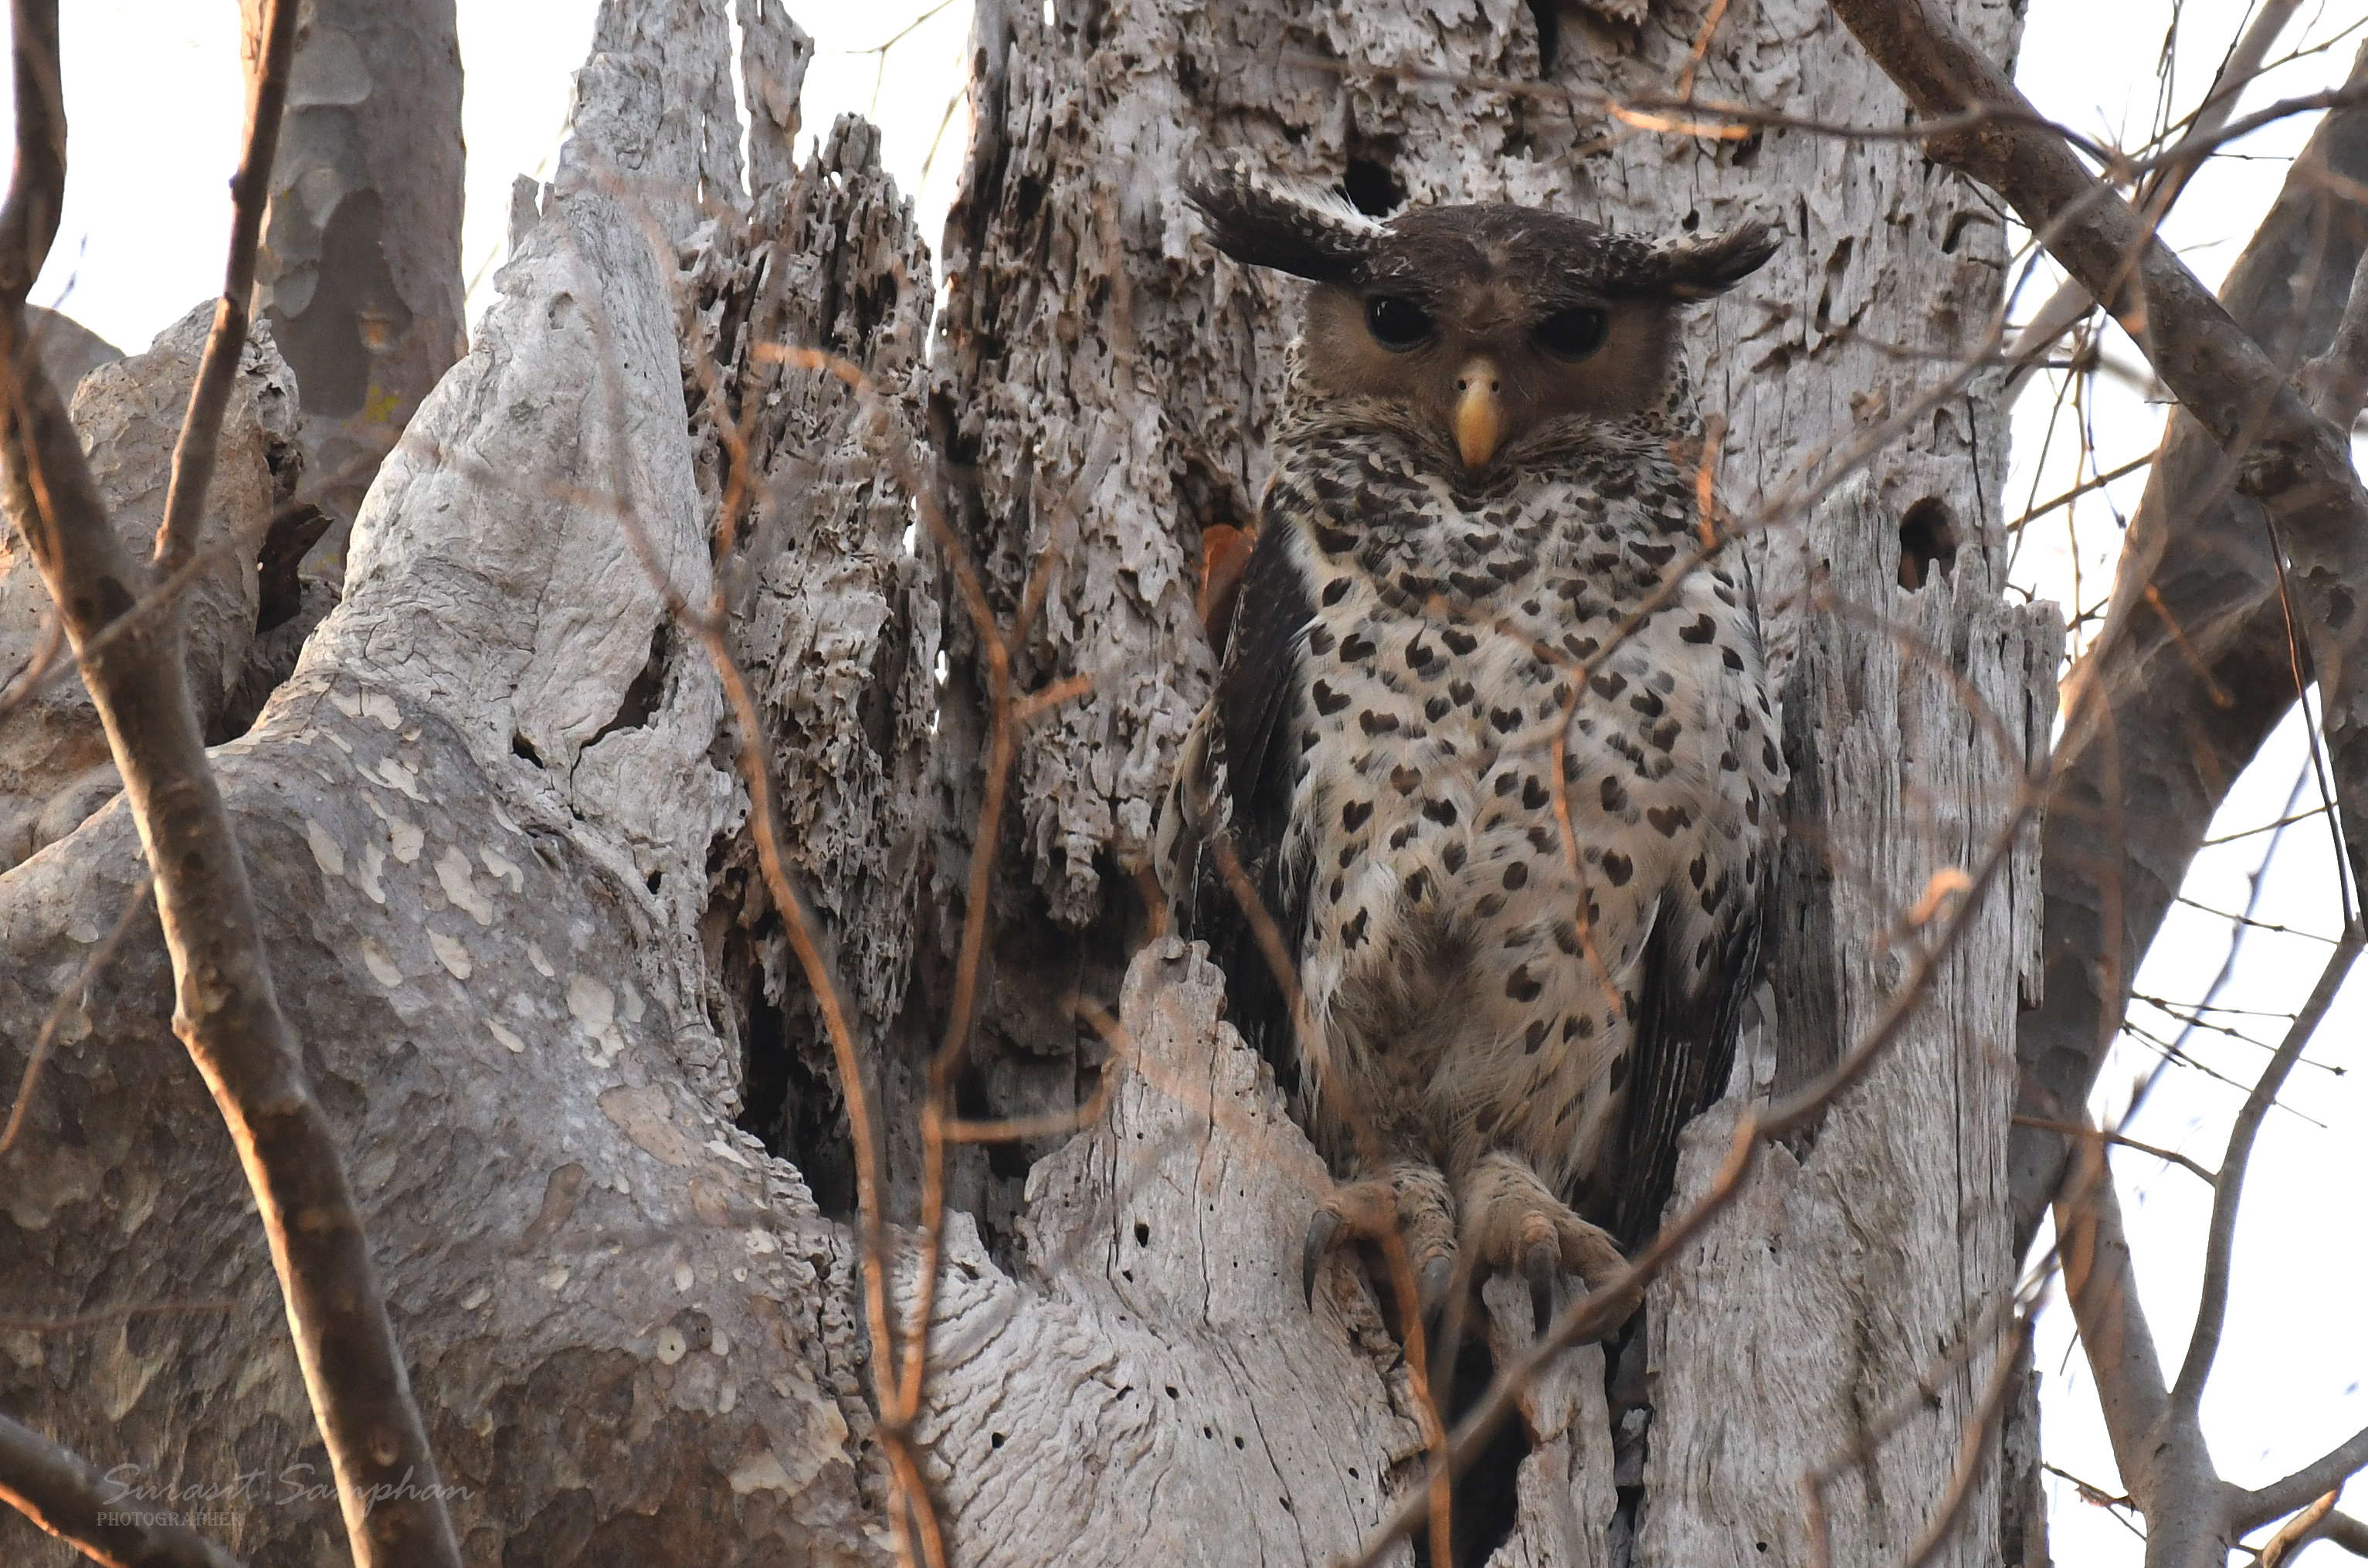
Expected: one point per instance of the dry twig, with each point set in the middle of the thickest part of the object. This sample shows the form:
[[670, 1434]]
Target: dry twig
[[227, 1015], [66, 1496]]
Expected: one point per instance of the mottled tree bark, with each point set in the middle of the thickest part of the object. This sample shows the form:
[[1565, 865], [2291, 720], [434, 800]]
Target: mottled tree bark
[[359, 276]]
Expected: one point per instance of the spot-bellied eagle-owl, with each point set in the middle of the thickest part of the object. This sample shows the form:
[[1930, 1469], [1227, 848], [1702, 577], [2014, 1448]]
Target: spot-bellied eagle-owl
[[1481, 562]]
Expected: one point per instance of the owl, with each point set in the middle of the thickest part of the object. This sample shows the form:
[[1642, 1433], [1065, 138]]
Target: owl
[[1478, 821]]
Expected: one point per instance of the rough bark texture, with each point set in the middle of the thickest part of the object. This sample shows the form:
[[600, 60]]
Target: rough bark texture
[[1849, 1267], [502, 855], [360, 274], [1150, 368], [1150, 371], [53, 761]]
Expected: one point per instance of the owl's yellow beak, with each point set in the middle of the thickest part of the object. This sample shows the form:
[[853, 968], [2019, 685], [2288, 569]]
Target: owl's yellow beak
[[1479, 414]]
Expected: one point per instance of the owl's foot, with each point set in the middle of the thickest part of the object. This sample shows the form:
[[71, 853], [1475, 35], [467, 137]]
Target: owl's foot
[[1513, 1220], [1409, 1199]]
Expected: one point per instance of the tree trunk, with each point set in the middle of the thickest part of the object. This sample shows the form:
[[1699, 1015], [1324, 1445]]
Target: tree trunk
[[515, 918], [360, 274]]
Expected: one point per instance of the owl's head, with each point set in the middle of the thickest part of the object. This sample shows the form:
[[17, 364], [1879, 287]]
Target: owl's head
[[1473, 326]]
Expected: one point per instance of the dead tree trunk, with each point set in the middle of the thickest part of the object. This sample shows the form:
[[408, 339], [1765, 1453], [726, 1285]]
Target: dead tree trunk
[[494, 823]]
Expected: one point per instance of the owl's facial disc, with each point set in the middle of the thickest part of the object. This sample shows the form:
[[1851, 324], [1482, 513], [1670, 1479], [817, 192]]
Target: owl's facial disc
[[1475, 362], [1479, 414]]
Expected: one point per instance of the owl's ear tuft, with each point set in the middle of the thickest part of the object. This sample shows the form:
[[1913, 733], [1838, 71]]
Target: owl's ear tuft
[[1262, 221], [1703, 268]]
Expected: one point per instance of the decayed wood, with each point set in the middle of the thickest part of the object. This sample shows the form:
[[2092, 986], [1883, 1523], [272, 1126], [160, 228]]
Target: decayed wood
[[1850, 1264], [834, 617], [1149, 1388]]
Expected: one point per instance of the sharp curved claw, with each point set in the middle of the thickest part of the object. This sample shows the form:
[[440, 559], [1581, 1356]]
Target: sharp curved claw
[[1539, 1262], [1321, 1228]]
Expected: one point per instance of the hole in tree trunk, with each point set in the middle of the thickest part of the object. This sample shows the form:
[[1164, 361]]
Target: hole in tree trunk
[[1372, 188], [1927, 539], [791, 1105], [1548, 17]]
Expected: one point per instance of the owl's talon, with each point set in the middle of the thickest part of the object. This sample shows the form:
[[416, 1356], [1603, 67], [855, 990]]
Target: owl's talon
[[1540, 1263], [1409, 1201], [1321, 1226]]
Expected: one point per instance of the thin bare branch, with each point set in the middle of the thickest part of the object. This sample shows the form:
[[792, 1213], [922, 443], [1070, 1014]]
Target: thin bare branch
[[2083, 488], [226, 1014], [2326, 1473], [2070, 302], [201, 441], [2074, 1130], [68, 1496], [68, 1000], [2212, 1310]]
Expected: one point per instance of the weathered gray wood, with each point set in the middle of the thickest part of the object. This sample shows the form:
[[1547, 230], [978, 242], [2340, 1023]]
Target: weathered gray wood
[[1151, 1389], [1849, 1266]]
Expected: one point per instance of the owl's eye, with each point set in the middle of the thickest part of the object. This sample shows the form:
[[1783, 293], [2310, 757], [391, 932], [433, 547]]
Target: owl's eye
[[1573, 333], [1396, 324]]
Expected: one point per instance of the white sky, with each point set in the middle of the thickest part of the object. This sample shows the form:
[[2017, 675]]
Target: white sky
[[2290, 1379]]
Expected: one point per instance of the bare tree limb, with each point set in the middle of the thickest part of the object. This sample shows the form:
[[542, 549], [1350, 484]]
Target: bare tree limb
[[2101, 1288], [2345, 1531], [2071, 301], [2192, 669], [2212, 1310], [2324, 1474], [2298, 1531], [227, 1013], [2337, 381], [66, 1496], [2282, 454]]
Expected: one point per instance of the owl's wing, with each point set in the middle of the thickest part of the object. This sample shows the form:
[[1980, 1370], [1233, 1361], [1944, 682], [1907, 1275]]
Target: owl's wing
[[1233, 784], [1687, 1022]]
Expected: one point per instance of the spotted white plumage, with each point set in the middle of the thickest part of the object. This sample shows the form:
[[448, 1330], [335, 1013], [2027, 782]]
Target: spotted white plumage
[[1481, 569]]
